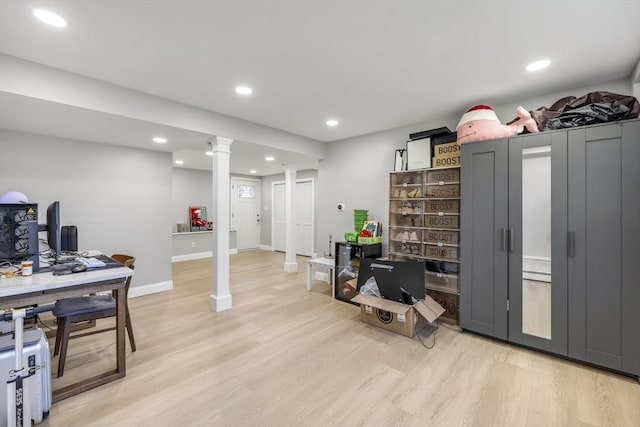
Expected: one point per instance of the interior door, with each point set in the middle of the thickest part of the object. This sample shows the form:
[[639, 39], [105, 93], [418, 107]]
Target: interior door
[[305, 207], [537, 241], [304, 218], [245, 212], [604, 225], [483, 272]]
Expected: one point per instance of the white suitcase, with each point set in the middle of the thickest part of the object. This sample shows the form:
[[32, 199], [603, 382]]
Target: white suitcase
[[35, 355]]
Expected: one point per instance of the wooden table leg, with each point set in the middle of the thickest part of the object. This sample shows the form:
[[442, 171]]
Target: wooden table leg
[[121, 312], [106, 377]]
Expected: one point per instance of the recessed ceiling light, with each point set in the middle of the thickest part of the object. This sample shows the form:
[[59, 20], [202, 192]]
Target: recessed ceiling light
[[269, 158], [159, 140], [209, 153], [244, 90], [332, 122], [538, 65], [253, 171], [179, 162], [50, 18]]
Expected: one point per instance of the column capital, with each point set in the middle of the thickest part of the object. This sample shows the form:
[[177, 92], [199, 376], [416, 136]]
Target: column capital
[[290, 170], [221, 143]]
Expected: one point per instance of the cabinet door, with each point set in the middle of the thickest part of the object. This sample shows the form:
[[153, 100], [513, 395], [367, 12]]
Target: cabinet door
[[483, 290], [538, 241], [346, 270], [604, 230]]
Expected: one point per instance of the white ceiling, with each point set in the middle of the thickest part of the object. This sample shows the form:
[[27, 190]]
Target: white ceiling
[[65, 121], [373, 65]]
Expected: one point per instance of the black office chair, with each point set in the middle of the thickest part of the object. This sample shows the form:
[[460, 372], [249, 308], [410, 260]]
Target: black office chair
[[80, 309]]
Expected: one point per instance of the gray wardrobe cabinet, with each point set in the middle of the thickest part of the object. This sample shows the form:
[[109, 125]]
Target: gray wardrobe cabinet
[[550, 241]]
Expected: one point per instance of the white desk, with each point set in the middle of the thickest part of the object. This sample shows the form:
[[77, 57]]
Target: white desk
[[321, 264], [43, 288]]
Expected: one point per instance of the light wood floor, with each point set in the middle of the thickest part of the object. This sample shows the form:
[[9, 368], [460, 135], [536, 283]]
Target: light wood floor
[[287, 357]]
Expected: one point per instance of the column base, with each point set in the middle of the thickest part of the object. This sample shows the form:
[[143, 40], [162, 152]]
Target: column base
[[290, 267], [220, 303]]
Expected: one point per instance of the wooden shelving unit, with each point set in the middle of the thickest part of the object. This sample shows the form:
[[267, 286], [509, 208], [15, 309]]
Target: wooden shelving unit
[[424, 224]]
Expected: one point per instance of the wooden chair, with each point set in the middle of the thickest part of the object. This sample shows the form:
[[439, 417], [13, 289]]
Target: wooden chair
[[81, 309]]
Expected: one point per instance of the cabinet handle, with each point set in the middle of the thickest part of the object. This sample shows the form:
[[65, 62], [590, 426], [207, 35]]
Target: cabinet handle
[[511, 237], [503, 239], [571, 243]]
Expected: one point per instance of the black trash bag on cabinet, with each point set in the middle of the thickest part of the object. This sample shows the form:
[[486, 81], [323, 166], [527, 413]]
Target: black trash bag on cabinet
[[588, 115]]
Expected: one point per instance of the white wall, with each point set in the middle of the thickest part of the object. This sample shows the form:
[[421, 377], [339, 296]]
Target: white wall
[[119, 198], [190, 188], [356, 170]]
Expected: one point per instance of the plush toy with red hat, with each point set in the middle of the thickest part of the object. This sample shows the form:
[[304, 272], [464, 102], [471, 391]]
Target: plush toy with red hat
[[480, 122]]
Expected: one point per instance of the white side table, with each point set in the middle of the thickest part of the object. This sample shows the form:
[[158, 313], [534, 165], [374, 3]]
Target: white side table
[[321, 264]]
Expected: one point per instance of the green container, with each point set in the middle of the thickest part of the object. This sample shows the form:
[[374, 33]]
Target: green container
[[359, 218], [351, 237]]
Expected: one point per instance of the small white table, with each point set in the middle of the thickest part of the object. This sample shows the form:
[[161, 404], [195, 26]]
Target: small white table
[[321, 264]]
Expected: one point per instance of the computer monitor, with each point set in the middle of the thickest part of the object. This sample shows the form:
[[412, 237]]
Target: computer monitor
[[394, 276], [53, 229]]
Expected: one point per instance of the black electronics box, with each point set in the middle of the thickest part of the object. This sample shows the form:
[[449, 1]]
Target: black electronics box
[[444, 138], [432, 133], [19, 232]]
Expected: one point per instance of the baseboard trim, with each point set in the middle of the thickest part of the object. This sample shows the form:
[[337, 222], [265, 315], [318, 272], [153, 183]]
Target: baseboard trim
[[266, 247], [198, 255], [152, 288], [191, 257], [220, 303], [290, 267]]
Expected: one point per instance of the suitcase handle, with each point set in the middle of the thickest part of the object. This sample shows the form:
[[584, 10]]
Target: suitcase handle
[[15, 313]]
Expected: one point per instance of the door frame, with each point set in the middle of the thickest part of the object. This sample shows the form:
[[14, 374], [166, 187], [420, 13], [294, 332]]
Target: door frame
[[231, 202], [313, 211]]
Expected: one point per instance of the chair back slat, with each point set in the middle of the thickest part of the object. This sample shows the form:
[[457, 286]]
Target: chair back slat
[[128, 261]]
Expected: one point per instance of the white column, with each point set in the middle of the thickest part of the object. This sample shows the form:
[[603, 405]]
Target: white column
[[220, 299], [290, 264]]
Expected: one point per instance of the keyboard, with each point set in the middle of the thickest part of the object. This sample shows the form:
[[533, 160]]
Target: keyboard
[[91, 262]]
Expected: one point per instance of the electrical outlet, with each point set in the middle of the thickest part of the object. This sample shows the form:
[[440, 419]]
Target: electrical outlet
[[341, 207], [193, 244]]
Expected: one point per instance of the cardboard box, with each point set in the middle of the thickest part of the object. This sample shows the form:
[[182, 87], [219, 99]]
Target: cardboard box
[[448, 300], [436, 176], [446, 150], [441, 162], [444, 206], [442, 221], [396, 317], [442, 191]]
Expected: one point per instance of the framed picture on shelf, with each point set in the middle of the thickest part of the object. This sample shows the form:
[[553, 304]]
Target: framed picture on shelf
[[400, 163], [198, 218], [419, 154]]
